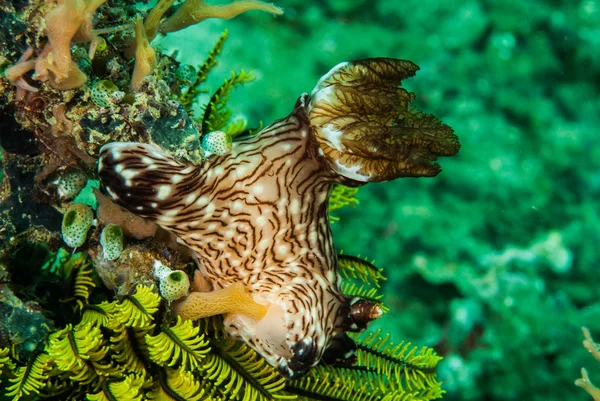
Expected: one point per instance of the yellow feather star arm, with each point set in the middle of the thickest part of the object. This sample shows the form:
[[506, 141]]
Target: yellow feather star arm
[[334, 384], [100, 314], [83, 285], [124, 353], [177, 385], [342, 196], [79, 352], [77, 272], [55, 386], [124, 390], [5, 359], [71, 347], [180, 345], [241, 373], [29, 379], [136, 310]]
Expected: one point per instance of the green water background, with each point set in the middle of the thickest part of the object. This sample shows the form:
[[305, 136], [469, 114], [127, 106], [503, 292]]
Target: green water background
[[495, 262]]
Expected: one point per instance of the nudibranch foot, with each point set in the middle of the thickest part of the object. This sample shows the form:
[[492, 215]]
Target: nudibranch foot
[[234, 299]]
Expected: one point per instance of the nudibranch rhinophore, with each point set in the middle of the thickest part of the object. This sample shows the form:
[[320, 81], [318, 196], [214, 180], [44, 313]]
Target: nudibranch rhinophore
[[257, 216]]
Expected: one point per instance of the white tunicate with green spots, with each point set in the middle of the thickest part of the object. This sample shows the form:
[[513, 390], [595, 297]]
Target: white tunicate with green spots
[[76, 222], [102, 92], [216, 143], [173, 284], [70, 183], [186, 74], [111, 240]]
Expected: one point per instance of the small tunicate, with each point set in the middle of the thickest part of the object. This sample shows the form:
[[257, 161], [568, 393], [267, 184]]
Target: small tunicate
[[186, 74], [102, 92], [76, 222], [216, 143], [70, 183], [173, 284], [111, 240], [101, 47]]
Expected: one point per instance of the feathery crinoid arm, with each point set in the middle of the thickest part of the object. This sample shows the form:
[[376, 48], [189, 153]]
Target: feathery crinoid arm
[[363, 121]]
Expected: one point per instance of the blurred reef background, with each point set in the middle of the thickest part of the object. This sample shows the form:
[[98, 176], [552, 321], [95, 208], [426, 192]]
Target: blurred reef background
[[494, 263]]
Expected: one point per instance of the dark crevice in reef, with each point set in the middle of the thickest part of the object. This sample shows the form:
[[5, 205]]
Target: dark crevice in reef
[[13, 138], [23, 202]]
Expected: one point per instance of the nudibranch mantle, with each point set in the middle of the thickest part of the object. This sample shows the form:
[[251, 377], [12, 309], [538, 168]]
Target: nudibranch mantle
[[258, 215]]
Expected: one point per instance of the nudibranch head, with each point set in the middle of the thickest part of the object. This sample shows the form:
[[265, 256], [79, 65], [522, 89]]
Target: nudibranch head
[[305, 323]]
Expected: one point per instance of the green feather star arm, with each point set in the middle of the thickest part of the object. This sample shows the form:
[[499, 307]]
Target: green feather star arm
[[409, 368], [83, 284], [188, 96], [355, 268], [75, 270], [387, 374], [341, 196], [216, 112]]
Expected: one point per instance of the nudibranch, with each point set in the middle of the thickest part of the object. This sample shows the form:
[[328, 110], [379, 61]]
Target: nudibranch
[[257, 219]]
